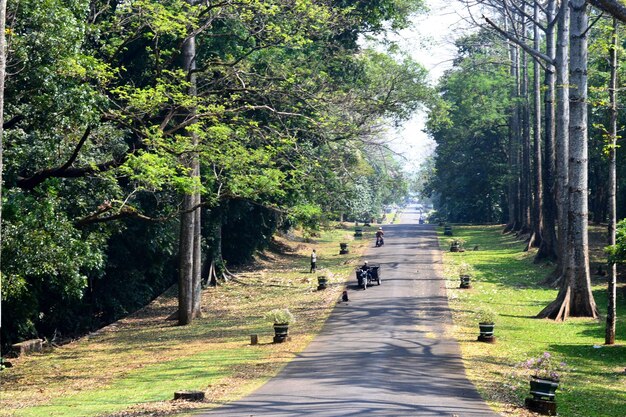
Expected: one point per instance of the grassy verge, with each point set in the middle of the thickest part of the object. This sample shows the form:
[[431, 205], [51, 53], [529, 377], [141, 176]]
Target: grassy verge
[[133, 367], [505, 278]]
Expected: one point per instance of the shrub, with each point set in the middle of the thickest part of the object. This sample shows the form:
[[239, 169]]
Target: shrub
[[280, 316], [486, 315]]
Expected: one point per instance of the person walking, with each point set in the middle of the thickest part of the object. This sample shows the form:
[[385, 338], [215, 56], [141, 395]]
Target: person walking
[[313, 261]]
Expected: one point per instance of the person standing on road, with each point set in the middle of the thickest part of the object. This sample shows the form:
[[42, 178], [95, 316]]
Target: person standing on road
[[313, 261], [379, 237]]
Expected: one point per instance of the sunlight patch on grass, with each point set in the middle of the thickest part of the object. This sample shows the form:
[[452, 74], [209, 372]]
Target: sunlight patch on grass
[[505, 278]]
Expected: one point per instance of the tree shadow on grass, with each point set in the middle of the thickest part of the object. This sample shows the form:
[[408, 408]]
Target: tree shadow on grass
[[605, 380]]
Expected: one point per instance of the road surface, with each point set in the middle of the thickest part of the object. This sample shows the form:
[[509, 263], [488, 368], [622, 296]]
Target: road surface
[[383, 353]]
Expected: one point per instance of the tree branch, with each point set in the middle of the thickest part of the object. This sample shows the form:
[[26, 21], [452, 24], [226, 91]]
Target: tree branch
[[615, 8], [537, 54]]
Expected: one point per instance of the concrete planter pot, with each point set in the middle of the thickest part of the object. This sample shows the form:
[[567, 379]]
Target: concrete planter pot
[[281, 332], [343, 249], [543, 393], [465, 281], [486, 332], [322, 283]]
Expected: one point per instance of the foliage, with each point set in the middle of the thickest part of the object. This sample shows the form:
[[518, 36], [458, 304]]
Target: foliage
[[544, 367], [465, 268], [617, 253], [469, 126], [101, 118], [486, 315], [280, 316]]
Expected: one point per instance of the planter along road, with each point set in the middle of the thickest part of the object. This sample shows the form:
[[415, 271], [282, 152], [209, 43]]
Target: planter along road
[[383, 353]]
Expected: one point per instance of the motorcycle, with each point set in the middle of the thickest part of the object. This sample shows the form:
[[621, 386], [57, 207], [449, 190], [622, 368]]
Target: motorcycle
[[379, 241]]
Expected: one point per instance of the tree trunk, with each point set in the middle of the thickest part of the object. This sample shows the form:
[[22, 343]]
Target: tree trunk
[[513, 143], [525, 178], [197, 247], [186, 262], [537, 213], [609, 337], [575, 297], [217, 260], [190, 266], [547, 249], [3, 61], [562, 135]]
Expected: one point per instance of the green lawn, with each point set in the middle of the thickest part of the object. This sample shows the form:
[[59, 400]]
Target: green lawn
[[149, 384], [133, 367], [505, 278]]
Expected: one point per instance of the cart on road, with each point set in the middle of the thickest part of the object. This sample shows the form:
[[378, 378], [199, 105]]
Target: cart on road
[[366, 277]]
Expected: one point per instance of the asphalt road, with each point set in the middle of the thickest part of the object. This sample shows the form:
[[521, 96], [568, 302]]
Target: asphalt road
[[383, 353]]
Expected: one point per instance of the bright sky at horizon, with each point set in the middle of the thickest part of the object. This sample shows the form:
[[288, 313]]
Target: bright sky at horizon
[[431, 43]]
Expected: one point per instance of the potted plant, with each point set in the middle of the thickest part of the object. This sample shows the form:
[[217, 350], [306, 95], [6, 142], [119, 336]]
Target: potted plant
[[343, 248], [464, 275], [456, 245], [486, 323], [281, 317], [322, 282], [545, 375]]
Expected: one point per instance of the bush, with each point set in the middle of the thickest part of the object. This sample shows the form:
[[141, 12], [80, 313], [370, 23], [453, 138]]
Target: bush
[[280, 316], [486, 315]]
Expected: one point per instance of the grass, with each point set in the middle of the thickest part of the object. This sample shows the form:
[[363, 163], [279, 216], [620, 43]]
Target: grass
[[505, 278], [134, 366]]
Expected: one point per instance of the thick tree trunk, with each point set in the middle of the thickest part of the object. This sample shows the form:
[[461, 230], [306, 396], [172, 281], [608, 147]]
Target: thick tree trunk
[[547, 249], [575, 297], [190, 265], [609, 337]]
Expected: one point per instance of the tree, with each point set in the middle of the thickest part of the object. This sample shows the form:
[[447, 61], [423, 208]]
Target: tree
[[575, 297], [609, 338], [3, 60], [469, 125], [109, 124], [547, 249]]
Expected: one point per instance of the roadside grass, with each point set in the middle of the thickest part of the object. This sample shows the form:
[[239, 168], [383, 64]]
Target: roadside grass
[[134, 366], [505, 278]]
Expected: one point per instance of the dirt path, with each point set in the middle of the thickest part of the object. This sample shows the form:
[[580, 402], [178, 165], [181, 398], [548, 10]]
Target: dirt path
[[383, 353]]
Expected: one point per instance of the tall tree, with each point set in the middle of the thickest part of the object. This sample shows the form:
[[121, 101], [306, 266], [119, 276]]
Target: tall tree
[[3, 61], [547, 249], [575, 297], [537, 216], [609, 337], [189, 279]]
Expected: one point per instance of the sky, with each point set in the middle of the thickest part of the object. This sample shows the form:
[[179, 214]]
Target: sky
[[430, 42]]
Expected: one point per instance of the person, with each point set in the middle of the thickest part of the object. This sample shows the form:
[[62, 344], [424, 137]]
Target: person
[[363, 276], [379, 236], [313, 261]]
